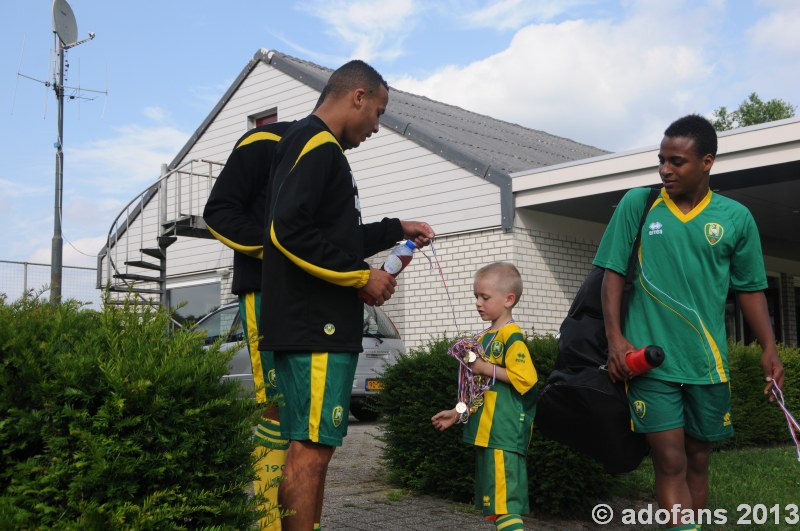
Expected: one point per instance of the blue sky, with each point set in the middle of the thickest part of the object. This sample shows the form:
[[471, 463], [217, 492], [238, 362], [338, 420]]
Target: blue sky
[[611, 74]]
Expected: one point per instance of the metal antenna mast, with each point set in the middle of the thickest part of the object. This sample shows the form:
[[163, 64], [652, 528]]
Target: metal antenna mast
[[66, 29]]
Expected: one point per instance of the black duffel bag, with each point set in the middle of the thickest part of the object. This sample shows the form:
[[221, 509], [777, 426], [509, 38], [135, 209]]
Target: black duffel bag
[[580, 406]]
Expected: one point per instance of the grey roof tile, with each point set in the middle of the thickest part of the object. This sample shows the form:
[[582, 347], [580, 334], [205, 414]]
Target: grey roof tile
[[502, 145]]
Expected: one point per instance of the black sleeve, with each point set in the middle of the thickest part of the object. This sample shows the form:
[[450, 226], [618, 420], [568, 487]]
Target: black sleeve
[[233, 213]]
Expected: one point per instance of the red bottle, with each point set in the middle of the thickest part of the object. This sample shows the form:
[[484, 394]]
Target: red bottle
[[644, 359], [399, 257]]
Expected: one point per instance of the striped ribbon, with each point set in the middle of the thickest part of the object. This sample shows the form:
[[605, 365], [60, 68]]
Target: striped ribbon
[[438, 266], [794, 427]]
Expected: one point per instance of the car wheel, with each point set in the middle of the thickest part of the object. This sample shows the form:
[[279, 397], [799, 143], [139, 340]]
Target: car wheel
[[363, 412]]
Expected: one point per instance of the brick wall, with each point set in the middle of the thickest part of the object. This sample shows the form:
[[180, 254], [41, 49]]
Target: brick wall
[[552, 269]]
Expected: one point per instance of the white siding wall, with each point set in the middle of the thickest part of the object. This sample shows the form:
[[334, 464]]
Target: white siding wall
[[398, 178], [395, 176]]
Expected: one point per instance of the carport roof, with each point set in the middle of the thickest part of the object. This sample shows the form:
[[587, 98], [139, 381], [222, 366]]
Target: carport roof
[[758, 166]]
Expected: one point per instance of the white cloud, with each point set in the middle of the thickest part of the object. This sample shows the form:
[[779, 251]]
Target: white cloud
[[769, 63], [18, 189], [157, 114], [78, 253], [511, 14], [127, 163], [778, 32], [100, 177], [612, 85], [375, 30]]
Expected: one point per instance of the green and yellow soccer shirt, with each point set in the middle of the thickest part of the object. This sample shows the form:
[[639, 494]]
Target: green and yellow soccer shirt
[[505, 419], [686, 265]]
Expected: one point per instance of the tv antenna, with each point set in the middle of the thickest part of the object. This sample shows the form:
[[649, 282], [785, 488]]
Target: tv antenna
[[65, 31]]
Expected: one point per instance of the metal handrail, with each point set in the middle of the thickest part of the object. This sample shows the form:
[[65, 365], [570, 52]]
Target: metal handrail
[[160, 190]]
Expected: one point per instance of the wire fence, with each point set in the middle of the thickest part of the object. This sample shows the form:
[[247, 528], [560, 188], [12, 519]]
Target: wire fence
[[18, 278]]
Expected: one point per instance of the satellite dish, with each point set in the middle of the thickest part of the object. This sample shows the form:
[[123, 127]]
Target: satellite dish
[[64, 24]]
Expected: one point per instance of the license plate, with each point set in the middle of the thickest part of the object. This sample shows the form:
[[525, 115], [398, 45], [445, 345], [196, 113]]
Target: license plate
[[373, 385]]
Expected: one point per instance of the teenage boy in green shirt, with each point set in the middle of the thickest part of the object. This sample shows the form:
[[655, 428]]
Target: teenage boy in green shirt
[[695, 246]]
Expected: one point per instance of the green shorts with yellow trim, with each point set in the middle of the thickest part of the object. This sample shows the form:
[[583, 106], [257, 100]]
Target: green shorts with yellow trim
[[262, 363], [501, 482], [316, 388], [703, 411]]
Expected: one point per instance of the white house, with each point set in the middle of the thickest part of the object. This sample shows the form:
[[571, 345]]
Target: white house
[[492, 190]]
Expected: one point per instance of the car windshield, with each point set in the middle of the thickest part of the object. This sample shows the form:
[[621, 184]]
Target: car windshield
[[377, 324], [223, 322]]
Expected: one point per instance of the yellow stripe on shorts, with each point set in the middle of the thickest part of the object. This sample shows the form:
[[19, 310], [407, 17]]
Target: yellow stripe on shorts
[[319, 373], [252, 343], [500, 494]]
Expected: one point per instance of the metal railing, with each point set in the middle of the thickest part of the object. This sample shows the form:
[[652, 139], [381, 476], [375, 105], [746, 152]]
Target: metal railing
[[180, 193], [20, 278]]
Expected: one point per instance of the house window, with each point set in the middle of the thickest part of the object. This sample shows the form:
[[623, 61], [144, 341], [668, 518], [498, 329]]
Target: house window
[[797, 315], [262, 118], [199, 299], [735, 325]]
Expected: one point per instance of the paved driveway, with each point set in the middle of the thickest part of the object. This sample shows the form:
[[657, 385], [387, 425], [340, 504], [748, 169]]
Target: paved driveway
[[358, 498]]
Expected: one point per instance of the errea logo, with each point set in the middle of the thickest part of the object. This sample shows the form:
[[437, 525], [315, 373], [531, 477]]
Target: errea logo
[[655, 228]]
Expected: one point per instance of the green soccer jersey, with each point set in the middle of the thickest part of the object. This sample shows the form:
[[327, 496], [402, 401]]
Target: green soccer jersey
[[505, 419], [686, 265]]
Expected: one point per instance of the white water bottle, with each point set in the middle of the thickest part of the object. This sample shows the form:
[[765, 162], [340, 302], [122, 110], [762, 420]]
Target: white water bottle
[[399, 257]]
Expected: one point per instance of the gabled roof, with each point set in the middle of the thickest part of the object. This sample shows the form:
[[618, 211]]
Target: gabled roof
[[503, 145], [482, 145]]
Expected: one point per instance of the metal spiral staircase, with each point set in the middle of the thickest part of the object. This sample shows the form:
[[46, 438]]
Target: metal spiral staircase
[[134, 260]]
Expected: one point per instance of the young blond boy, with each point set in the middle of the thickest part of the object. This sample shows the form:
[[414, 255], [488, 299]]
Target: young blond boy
[[500, 429]]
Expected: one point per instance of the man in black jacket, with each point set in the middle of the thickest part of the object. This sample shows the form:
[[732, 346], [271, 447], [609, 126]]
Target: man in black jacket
[[234, 214], [313, 267]]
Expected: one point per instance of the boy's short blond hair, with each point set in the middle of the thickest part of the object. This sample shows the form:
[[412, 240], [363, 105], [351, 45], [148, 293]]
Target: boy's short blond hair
[[508, 278]]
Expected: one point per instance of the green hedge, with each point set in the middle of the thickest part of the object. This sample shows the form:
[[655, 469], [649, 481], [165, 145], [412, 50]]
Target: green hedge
[[422, 459], [756, 420], [109, 421]]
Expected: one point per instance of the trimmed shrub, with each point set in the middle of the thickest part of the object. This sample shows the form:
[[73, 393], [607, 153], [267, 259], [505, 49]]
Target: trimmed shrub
[[109, 420], [756, 420]]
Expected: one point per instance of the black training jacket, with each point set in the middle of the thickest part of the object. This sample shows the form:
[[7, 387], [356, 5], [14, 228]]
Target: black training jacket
[[236, 209], [316, 245]]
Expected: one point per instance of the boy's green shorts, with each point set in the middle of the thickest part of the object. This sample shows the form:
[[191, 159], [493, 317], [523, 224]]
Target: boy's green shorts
[[501, 482], [316, 388], [703, 411]]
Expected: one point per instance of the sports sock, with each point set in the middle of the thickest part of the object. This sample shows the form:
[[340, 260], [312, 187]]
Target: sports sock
[[271, 457], [509, 522], [268, 433]]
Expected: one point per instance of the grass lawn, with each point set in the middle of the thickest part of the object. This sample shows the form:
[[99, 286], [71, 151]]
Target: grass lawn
[[765, 479]]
